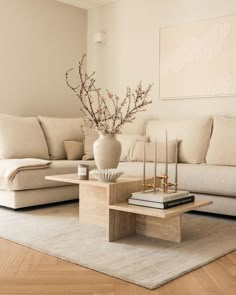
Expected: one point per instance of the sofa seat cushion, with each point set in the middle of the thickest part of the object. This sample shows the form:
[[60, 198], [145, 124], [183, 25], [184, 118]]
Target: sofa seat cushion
[[35, 197], [35, 179], [198, 178]]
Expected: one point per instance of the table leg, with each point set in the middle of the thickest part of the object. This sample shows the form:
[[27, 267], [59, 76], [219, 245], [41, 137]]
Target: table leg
[[165, 229], [93, 203], [120, 225]]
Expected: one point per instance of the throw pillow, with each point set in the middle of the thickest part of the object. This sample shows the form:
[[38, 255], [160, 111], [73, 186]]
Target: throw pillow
[[194, 135], [128, 142], [223, 142], [90, 135], [74, 149], [138, 152], [58, 130], [21, 138]]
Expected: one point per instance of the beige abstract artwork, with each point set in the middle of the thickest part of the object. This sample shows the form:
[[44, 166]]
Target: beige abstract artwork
[[197, 60]]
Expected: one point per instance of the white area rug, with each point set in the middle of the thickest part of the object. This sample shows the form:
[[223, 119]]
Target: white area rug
[[143, 261]]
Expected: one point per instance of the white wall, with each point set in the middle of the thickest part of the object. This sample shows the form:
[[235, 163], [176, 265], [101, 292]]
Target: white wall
[[131, 52], [39, 41]]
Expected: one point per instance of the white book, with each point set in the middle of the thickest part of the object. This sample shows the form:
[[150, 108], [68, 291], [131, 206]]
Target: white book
[[159, 196]]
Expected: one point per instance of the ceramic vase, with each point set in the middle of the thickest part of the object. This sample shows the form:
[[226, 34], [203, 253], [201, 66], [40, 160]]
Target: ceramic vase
[[107, 151]]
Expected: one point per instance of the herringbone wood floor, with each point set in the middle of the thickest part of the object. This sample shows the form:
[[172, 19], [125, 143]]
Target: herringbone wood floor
[[26, 271]]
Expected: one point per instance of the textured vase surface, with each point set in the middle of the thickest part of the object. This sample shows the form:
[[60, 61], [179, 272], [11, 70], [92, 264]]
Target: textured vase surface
[[107, 151]]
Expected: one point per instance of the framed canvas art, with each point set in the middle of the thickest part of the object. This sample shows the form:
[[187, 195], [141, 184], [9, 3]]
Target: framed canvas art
[[199, 59]]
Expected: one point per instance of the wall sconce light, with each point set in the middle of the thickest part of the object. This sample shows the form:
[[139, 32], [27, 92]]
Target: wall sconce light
[[99, 37]]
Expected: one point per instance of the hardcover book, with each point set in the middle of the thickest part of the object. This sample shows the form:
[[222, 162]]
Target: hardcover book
[[162, 205]]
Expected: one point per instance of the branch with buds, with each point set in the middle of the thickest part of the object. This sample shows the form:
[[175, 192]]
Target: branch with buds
[[107, 113]]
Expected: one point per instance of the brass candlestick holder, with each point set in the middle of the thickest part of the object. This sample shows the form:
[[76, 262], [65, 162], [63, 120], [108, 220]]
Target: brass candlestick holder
[[161, 182]]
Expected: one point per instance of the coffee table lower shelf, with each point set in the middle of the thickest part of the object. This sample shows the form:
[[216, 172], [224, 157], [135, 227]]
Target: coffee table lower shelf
[[125, 220]]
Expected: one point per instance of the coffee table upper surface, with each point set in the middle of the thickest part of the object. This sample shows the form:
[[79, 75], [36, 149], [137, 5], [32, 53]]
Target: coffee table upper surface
[[125, 207], [73, 178]]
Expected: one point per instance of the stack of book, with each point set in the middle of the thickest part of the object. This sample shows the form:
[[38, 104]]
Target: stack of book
[[160, 200]]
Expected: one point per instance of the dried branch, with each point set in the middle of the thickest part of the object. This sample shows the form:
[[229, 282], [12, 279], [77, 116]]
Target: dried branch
[[107, 114]]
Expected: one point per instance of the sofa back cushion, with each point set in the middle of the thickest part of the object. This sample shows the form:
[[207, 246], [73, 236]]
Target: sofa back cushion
[[58, 130], [21, 138], [222, 149], [194, 136], [150, 151]]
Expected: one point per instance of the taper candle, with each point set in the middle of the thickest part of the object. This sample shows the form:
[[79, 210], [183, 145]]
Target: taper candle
[[176, 162], [166, 172], [144, 165], [155, 165]]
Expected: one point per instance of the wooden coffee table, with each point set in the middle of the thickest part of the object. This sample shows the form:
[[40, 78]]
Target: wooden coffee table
[[106, 204]]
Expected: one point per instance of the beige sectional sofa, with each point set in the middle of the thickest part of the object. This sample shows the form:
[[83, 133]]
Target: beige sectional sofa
[[37, 138], [207, 157]]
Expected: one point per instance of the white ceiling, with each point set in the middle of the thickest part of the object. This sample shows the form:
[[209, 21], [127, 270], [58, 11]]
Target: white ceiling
[[87, 4]]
